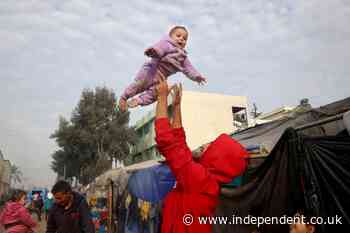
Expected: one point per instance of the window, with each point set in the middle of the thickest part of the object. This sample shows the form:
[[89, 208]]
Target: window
[[239, 115]]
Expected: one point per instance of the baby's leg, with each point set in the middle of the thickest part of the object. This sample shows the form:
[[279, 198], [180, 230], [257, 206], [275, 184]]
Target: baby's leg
[[132, 90], [137, 87], [140, 84], [146, 98]]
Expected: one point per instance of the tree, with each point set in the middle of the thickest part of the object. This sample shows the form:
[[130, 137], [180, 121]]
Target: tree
[[15, 174], [95, 134]]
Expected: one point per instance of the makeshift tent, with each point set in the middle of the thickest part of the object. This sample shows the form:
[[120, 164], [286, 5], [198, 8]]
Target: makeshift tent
[[139, 205], [305, 171], [301, 173], [151, 184]]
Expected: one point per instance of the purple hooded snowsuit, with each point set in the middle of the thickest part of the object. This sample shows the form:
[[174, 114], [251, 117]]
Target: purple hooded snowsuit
[[169, 60]]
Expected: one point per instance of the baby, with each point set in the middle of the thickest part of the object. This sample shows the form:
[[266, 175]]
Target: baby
[[168, 57]]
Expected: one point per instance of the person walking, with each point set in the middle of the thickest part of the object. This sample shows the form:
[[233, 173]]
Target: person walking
[[48, 204]]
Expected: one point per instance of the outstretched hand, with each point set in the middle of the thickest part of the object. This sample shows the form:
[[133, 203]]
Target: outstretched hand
[[201, 80]]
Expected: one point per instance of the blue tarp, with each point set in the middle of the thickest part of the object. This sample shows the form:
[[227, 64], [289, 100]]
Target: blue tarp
[[151, 184]]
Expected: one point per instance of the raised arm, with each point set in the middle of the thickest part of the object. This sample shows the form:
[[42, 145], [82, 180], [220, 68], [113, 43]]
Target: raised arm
[[171, 142], [176, 97], [192, 73]]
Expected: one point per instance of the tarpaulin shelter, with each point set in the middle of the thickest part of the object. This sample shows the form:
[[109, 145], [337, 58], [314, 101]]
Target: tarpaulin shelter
[[308, 169], [151, 184]]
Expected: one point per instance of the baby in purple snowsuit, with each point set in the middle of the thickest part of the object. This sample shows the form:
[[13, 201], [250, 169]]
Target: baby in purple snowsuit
[[168, 57]]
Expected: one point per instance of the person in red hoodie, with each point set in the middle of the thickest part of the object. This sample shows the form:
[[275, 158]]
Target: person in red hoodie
[[197, 180], [15, 217]]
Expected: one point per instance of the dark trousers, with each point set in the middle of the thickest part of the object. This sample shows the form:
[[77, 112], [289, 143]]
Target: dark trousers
[[38, 211]]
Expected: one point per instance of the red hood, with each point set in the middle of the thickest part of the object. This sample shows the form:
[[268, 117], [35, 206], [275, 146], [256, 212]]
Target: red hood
[[225, 158], [11, 212]]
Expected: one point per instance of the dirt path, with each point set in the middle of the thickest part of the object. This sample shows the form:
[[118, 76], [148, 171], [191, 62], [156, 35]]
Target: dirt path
[[41, 228]]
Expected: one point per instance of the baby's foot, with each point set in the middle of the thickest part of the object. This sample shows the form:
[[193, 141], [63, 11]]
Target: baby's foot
[[132, 103], [123, 106]]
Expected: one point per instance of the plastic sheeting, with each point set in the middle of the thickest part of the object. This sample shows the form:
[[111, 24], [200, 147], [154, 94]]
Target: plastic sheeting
[[305, 173], [346, 119], [151, 184]]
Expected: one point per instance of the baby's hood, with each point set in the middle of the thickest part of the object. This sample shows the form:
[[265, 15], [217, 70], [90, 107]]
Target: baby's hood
[[11, 212], [168, 39], [225, 159]]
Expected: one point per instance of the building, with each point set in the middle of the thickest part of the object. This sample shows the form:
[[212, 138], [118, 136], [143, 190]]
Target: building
[[283, 112], [204, 117], [5, 169], [274, 115]]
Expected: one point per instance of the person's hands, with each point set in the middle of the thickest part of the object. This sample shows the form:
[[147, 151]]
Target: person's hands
[[201, 80], [151, 52], [162, 87], [123, 106], [176, 94]]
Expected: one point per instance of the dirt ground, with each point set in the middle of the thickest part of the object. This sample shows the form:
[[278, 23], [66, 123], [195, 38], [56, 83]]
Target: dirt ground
[[41, 228]]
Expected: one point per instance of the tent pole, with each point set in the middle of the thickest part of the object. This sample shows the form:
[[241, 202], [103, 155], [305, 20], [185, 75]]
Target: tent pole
[[320, 122]]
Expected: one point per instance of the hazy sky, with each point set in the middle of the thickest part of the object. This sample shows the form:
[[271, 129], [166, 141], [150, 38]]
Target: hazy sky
[[273, 51]]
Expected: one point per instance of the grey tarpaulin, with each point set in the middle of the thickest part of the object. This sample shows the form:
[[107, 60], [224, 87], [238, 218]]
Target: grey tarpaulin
[[270, 189], [301, 173], [346, 119]]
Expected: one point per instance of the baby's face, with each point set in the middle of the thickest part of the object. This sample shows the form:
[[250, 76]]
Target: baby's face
[[180, 37]]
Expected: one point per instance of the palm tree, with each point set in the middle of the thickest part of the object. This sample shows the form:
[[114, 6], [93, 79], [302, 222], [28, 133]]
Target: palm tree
[[15, 174]]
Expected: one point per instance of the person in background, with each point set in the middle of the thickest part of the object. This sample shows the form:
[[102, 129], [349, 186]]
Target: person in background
[[37, 205], [301, 225], [48, 204], [15, 217], [70, 212]]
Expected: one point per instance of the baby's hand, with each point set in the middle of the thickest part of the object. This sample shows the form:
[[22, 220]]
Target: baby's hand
[[201, 80], [151, 52]]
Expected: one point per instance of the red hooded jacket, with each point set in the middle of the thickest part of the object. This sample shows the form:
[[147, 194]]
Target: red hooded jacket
[[17, 215], [198, 182]]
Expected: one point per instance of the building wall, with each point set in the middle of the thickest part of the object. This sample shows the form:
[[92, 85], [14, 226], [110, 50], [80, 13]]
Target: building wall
[[204, 116], [207, 115], [5, 168], [276, 114]]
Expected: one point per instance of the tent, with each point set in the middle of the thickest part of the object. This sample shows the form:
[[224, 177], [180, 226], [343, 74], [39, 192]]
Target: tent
[[307, 170]]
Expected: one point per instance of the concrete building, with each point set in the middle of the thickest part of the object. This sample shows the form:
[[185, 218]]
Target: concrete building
[[204, 116], [5, 169], [274, 115], [282, 112]]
